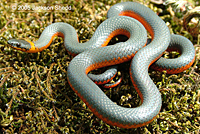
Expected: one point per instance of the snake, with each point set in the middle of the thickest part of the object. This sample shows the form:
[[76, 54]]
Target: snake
[[133, 20]]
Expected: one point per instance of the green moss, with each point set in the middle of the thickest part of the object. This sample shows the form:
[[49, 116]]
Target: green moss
[[34, 93]]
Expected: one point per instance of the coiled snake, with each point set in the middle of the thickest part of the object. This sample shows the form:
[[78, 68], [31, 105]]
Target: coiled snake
[[93, 55]]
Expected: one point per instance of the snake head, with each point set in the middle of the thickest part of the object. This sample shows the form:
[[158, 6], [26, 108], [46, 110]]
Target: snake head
[[19, 44]]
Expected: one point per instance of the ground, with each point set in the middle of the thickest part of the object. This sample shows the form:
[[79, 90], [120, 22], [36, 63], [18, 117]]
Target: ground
[[35, 96]]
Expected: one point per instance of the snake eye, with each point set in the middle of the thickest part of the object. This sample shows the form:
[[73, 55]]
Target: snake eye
[[18, 44]]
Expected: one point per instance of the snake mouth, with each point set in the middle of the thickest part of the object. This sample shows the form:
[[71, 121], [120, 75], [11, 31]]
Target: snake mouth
[[19, 44]]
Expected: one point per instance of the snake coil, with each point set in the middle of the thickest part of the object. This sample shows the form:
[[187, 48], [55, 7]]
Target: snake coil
[[93, 55]]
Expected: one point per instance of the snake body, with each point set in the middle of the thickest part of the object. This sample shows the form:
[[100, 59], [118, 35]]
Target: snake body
[[93, 55]]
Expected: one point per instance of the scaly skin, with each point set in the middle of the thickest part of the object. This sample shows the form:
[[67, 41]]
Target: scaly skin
[[93, 55]]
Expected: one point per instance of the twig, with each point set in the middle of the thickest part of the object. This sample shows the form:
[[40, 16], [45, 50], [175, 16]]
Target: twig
[[49, 77], [10, 103], [4, 80], [38, 81]]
